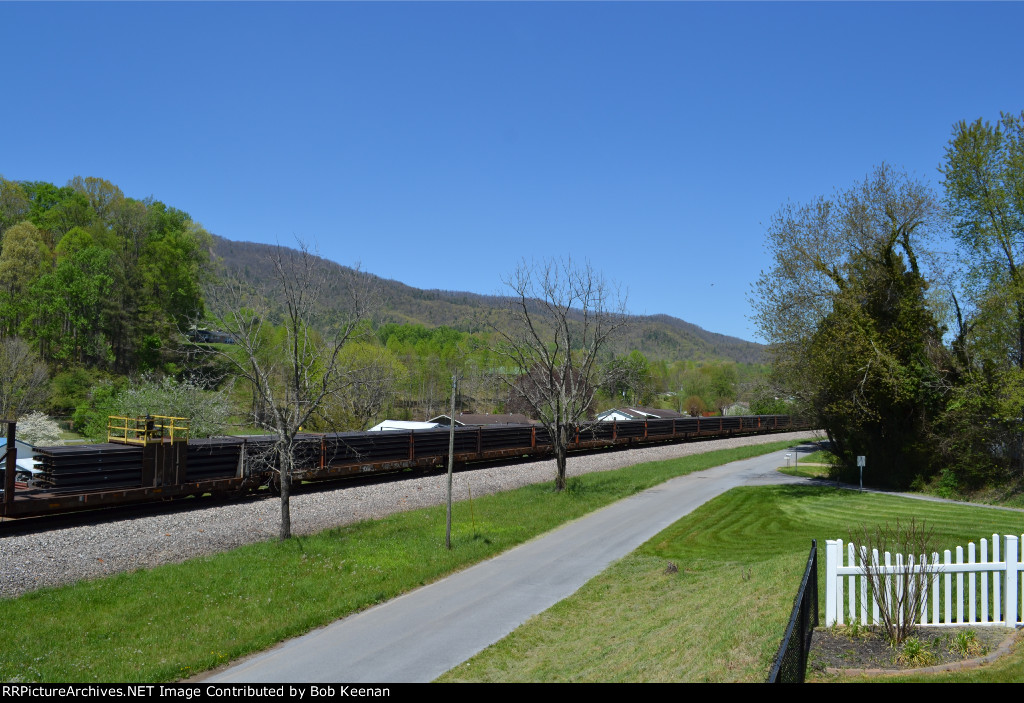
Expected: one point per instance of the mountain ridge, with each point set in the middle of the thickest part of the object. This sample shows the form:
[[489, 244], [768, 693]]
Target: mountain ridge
[[659, 336]]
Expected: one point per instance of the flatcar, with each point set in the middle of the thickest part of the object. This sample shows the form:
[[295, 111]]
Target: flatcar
[[152, 459]]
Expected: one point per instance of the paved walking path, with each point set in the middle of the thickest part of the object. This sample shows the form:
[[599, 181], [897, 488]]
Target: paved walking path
[[424, 633]]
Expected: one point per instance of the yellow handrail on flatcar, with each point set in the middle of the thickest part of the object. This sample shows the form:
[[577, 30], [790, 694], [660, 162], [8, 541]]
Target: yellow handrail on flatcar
[[146, 430]]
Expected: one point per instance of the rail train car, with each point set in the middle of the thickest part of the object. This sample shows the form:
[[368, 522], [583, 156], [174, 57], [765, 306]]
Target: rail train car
[[152, 459]]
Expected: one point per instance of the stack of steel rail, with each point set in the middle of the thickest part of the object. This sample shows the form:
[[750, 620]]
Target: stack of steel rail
[[85, 467]]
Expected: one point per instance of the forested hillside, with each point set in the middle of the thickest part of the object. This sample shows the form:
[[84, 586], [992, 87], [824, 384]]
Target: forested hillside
[[98, 292], [658, 337], [90, 277]]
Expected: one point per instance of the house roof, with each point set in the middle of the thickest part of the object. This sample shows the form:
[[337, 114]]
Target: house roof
[[640, 413], [464, 419], [659, 413], [402, 425]]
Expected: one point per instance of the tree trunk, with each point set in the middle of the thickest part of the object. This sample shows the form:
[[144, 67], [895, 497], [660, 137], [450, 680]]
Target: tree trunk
[[286, 489], [561, 446]]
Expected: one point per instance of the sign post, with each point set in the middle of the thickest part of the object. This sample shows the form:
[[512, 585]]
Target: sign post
[[861, 461]]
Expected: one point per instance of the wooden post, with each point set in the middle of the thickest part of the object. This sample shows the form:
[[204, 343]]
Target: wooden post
[[11, 465], [451, 461]]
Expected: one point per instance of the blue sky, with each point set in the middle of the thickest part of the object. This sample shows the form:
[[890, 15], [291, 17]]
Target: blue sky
[[438, 143]]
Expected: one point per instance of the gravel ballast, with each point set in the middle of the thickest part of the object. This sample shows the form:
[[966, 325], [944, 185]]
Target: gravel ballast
[[56, 556]]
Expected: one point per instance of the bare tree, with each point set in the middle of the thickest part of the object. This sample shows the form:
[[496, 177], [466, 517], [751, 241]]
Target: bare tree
[[24, 383], [560, 318], [900, 589], [290, 357]]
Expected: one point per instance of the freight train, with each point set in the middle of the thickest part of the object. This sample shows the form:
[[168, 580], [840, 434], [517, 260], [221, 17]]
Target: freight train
[[152, 459]]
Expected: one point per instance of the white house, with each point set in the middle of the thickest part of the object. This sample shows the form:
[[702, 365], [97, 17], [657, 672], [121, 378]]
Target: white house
[[620, 414], [402, 425]]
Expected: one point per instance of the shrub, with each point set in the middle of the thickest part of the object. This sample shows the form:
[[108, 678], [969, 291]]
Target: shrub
[[899, 590]]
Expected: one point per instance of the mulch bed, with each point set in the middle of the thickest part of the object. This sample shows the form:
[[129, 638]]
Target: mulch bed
[[857, 650]]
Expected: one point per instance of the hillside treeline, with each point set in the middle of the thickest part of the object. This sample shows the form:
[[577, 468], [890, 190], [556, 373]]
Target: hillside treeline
[[92, 278]]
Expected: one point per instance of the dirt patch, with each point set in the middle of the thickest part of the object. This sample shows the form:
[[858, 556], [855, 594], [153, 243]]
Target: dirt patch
[[865, 650]]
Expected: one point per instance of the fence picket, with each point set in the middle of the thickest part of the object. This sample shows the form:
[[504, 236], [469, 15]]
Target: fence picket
[[984, 583], [996, 605], [852, 582], [839, 583], [1000, 604], [959, 585], [949, 585], [971, 609], [1012, 577], [923, 560]]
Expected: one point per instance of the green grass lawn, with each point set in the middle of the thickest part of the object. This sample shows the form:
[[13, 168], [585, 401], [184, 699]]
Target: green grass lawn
[[805, 471], [721, 616], [818, 457], [814, 465], [174, 621]]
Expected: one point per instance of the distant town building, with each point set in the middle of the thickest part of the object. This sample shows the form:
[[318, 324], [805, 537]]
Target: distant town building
[[637, 413], [403, 425], [482, 420]]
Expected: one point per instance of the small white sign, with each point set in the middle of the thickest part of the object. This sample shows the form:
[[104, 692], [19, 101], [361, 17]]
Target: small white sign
[[861, 462]]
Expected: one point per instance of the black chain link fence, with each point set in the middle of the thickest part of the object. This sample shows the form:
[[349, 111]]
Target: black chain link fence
[[791, 660]]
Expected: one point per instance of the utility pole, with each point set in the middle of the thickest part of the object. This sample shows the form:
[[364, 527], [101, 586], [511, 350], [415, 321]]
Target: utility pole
[[451, 461]]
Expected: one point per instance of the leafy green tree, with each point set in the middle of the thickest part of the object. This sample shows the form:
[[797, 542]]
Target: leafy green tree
[[72, 307], [90, 418], [93, 277], [103, 196], [22, 260], [207, 410], [14, 204], [881, 395], [723, 385], [58, 210], [984, 180], [628, 379], [71, 388], [375, 374], [765, 400], [845, 311]]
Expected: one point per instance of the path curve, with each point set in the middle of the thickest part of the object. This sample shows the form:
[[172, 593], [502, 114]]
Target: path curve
[[424, 633]]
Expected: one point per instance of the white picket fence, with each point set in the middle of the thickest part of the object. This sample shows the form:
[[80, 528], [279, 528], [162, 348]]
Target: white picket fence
[[987, 587]]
